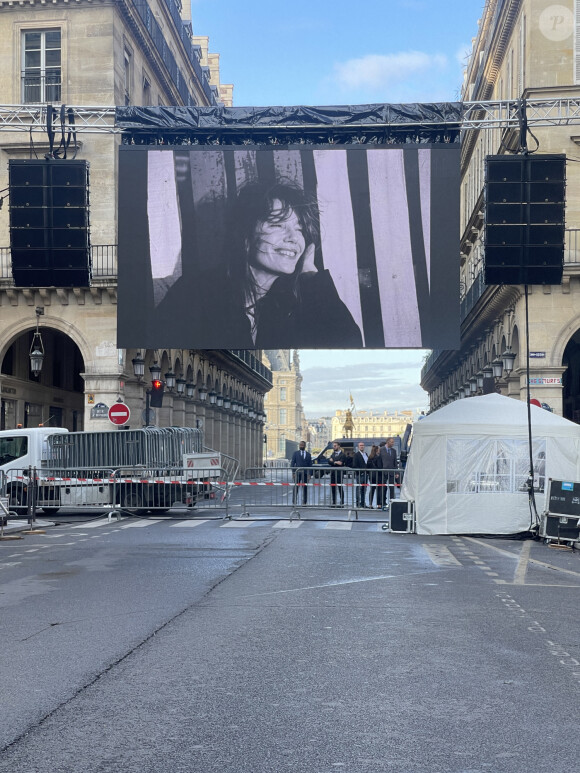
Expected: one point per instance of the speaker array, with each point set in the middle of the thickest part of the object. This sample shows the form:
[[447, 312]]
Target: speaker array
[[49, 223], [524, 219]]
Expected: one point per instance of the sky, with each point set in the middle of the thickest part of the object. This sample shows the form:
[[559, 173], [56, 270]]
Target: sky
[[339, 52]]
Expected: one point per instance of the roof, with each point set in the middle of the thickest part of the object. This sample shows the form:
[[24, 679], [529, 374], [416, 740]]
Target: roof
[[493, 415]]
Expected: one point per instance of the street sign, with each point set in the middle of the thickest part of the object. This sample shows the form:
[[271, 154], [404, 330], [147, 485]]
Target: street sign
[[119, 413]]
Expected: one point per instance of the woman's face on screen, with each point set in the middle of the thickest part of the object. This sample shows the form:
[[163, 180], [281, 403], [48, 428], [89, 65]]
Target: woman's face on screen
[[279, 242]]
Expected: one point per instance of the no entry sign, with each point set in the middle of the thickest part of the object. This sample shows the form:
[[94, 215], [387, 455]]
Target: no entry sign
[[119, 413]]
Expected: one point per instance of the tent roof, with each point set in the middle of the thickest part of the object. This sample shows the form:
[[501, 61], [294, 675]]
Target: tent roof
[[493, 414]]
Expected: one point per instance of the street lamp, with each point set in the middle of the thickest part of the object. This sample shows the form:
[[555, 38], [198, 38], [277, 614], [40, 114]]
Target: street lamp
[[497, 367], [180, 385], [170, 379], [219, 401], [36, 347], [508, 358], [212, 397], [487, 372], [473, 385], [202, 392], [138, 366], [155, 371], [479, 379], [227, 403], [189, 390]]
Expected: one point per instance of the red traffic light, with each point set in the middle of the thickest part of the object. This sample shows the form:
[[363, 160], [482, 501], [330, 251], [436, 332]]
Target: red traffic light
[[157, 390]]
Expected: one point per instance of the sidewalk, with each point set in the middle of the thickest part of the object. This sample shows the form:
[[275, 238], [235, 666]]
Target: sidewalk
[[17, 525]]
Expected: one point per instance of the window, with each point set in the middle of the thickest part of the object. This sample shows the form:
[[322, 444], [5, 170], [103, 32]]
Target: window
[[127, 75], [41, 66], [493, 466], [13, 448], [283, 416], [283, 393], [146, 91]]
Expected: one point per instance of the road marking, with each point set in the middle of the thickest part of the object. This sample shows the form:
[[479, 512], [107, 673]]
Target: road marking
[[8, 564], [287, 524], [236, 524], [344, 525], [187, 524], [140, 524], [92, 525], [522, 567], [440, 555], [492, 547]]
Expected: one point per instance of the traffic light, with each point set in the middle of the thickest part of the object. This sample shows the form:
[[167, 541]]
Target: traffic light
[[157, 389]]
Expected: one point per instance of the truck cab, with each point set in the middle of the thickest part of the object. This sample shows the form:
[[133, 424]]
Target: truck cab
[[23, 448]]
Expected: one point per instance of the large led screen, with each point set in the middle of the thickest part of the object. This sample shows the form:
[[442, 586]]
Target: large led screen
[[308, 247]]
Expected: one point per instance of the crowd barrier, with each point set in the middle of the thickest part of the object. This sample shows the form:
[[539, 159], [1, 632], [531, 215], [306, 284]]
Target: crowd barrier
[[130, 490], [317, 488]]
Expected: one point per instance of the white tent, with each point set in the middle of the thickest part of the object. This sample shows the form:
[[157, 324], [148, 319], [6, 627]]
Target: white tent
[[469, 464]]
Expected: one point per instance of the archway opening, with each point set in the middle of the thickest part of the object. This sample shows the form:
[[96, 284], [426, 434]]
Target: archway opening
[[55, 397], [571, 379]]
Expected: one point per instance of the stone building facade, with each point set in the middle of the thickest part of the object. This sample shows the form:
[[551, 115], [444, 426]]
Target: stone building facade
[[523, 49], [285, 420], [370, 424], [116, 52]]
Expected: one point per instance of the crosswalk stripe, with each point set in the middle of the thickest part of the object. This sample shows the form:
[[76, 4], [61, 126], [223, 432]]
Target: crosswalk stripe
[[92, 524], [237, 524], [140, 524], [344, 525], [187, 524], [287, 524]]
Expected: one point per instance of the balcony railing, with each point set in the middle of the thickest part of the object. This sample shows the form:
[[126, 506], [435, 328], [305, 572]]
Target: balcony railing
[[252, 362], [103, 260], [39, 88]]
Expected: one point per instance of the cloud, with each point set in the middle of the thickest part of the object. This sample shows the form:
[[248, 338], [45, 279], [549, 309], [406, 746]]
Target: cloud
[[379, 71], [376, 386]]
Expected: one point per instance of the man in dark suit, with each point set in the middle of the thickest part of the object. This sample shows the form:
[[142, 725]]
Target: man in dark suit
[[389, 462], [301, 460], [337, 461], [359, 463]]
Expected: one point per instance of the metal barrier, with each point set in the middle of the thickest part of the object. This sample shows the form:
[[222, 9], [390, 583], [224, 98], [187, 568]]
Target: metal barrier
[[134, 490], [315, 489]]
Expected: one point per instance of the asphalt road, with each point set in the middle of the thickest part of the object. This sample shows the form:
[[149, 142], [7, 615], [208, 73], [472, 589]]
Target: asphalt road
[[270, 646]]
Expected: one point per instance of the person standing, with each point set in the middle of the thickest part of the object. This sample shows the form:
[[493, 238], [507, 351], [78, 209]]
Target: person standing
[[389, 462], [300, 462], [337, 461], [360, 462], [374, 466]]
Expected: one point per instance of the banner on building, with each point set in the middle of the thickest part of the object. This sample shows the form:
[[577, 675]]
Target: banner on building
[[243, 247]]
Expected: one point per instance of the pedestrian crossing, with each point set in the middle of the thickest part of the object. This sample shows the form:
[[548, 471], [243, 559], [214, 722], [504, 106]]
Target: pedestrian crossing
[[235, 523]]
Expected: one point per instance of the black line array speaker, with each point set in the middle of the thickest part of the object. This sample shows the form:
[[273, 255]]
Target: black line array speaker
[[49, 223], [524, 219]]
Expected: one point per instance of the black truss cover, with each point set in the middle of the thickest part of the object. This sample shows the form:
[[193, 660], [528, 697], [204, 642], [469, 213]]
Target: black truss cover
[[418, 122]]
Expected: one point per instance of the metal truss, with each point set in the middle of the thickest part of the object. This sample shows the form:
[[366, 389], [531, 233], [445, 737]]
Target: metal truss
[[507, 114], [501, 114], [34, 118]]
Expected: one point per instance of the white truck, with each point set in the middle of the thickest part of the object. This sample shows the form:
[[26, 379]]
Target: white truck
[[137, 470]]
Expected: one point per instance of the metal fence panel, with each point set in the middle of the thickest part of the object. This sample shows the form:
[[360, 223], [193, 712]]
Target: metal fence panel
[[316, 489]]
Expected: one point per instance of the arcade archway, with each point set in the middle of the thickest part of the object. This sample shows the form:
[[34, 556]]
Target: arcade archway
[[55, 397], [571, 379]]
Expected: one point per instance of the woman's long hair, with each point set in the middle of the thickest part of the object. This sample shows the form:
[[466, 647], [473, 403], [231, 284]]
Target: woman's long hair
[[253, 206]]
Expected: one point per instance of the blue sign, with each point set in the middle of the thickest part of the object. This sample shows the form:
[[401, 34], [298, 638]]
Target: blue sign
[[567, 486]]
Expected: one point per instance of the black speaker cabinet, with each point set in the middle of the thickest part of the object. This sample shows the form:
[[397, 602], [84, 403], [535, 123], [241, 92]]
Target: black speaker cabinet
[[400, 517], [524, 219], [49, 223]]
